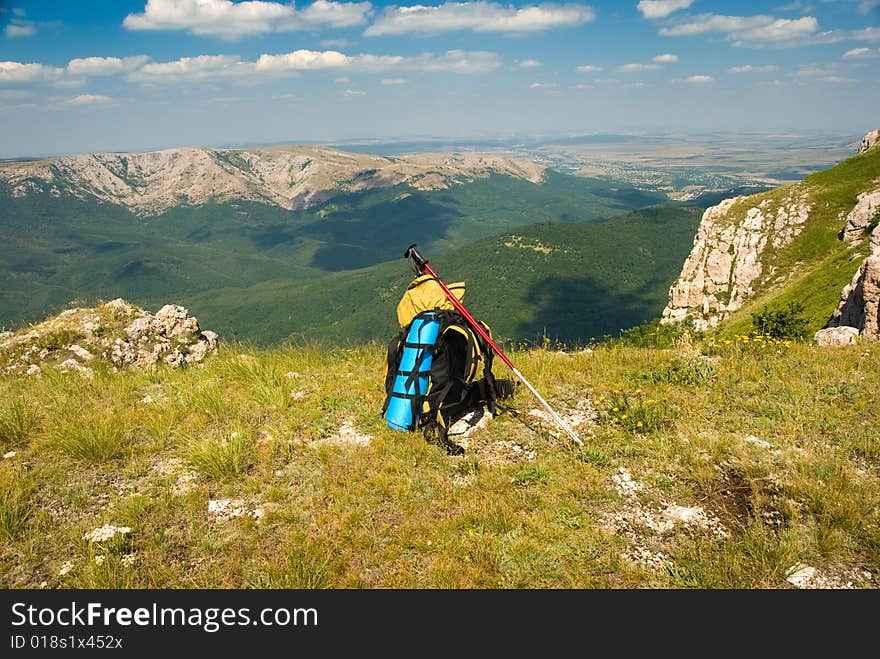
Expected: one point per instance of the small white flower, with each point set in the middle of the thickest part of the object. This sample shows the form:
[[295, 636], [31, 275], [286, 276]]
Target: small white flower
[[99, 559], [106, 532], [129, 559], [67, 567], [9, 455]]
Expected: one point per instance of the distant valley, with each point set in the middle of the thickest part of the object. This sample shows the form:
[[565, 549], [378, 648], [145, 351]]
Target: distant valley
[[215, 229]]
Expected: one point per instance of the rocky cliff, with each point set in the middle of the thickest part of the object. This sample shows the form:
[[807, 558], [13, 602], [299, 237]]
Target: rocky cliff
[[754, 247], [291, 177], [725, 263]]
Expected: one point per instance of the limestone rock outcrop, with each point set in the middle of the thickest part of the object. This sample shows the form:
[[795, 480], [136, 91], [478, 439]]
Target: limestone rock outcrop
[[116, 333], [859, 218], [859, 306], [726, 259], [869, 141], [734, 256]]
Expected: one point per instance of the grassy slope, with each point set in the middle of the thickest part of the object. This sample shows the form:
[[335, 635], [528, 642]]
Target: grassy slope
[[816, 266], [54, 250], [400, 513], [573, 293]]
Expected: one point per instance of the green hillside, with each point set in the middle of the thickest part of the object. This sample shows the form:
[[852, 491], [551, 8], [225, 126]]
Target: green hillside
[[567, 281], [814, 268], [57, 249]]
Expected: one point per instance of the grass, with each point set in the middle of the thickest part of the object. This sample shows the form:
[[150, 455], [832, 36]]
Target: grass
[[775, 445], [18, 420], [91, 440], [221, 458]]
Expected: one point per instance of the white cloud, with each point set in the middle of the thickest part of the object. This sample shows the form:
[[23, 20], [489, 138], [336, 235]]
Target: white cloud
[[866, 6], [234, 20], [302, 60], [661, 8], [637, 68], [746, 30], [354, 92], [696, 80], [529, 64], [187, 69], [544, 85], [104, 66], [335, 14], [666, 58], [89, 99], [748, 68], [342, 81], [838, 80], [588, 68], [18, 73], [232, 67], [479, 16], [20, 29], [583, 86], [394, 81], [861, 53]]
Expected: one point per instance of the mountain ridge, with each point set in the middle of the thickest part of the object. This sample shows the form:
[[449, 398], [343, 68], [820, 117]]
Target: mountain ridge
[[292, 177]]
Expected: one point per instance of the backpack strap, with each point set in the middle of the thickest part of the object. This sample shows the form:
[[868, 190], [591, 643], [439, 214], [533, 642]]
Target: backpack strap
[[392, 362]]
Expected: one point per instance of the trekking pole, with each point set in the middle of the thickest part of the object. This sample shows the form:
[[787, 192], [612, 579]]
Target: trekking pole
[[421, 266]]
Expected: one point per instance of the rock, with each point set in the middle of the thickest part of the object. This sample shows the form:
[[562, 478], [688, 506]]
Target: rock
[[129, 337], [837, 336], [725, 262], [859, 305], [71, 365], [869, 141], [81, 352], [174, 321], [859, 218]]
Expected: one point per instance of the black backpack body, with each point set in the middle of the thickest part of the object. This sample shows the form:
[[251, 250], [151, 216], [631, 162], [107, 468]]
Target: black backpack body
[[460, 379]]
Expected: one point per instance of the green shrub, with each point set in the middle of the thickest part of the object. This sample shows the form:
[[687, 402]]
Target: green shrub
[[785, 323]]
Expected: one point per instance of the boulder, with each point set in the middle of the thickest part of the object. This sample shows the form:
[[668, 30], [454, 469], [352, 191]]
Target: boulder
[[837, 336]]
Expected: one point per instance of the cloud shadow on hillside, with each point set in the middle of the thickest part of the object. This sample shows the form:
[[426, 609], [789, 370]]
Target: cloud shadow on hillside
[[574, 310]]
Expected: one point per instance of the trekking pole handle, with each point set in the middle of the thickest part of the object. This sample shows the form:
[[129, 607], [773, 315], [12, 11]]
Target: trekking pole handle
[[415, 259]]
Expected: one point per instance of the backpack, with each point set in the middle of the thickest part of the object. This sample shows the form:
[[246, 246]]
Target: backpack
[[439, 368]]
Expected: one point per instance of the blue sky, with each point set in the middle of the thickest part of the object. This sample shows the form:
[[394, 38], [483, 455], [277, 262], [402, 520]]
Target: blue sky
[[134, 75]]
